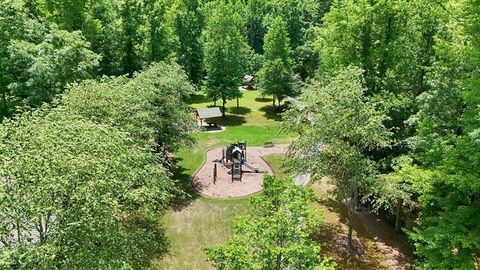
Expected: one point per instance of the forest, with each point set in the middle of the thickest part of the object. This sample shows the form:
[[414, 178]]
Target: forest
[[376, 101]]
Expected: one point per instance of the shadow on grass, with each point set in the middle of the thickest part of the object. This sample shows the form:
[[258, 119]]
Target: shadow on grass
[[263, 99], [334, 243], [189, 195], [232, 120], [272, 113], [198, 98], [146, 239], [239, 110]]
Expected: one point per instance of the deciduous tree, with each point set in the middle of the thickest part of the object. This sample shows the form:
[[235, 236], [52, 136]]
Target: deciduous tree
[[275, 233], [225, 51], [336, 124], [276, 75]]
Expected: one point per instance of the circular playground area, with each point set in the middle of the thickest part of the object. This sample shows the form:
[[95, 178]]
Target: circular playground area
[[221, 177]]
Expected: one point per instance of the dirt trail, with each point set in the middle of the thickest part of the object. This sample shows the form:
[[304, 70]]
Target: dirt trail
[[397, 252]]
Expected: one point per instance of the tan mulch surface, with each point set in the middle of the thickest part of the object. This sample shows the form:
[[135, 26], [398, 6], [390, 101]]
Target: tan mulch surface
[[224, 187]]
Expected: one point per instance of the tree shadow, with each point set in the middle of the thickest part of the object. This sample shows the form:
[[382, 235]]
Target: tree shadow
[[146, 240], [231, 120], [334, 243], [263, 99], [239, 110], [189, 193], [272, 113], [198, 98]]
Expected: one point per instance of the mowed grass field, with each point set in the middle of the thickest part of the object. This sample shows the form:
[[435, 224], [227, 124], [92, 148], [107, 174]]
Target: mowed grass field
[[200, 222]]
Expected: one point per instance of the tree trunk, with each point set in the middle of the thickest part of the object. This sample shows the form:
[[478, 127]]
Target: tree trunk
[[214, 103], [273, 98], [279, 262], [399, 211], [237, 103], [351, 215], [223, 107]]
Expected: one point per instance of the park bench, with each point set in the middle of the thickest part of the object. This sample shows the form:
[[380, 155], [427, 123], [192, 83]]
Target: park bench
[[269, 145]]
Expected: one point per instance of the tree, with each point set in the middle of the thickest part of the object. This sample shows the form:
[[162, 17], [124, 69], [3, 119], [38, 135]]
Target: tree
[[256, 10], [74, 193], [446, 236], [150, 107], [160, 39], [276, 76], [336, 124], [275, 233], [225, 52], [399, 188], [15, 24], [188, 23], [298, 15], [41, 71], [132, 19]]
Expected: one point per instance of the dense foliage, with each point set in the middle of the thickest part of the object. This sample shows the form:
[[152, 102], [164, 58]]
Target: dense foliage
[[276, 75], [389, 109], [225, 52], [79, 183], [420, 65], [275, 232]]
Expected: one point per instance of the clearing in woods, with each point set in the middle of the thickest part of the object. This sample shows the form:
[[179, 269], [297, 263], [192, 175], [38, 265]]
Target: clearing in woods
[[201, 221]]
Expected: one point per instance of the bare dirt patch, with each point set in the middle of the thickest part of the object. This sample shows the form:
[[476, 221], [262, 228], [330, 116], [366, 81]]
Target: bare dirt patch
[[224, 187], [394, 247]]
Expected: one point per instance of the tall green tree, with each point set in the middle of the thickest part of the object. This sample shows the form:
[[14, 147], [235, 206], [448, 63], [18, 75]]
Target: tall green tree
[[70, 193], [336, 124], [132, 20], [40, 71], [189, 21], [160, 37], [256, 10], [15, 24], [393, 42], [276, 75], [275, 233], [446, 236], [225, 51]]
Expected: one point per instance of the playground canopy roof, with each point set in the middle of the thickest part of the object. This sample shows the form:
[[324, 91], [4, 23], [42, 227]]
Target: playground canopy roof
[[209, 113]]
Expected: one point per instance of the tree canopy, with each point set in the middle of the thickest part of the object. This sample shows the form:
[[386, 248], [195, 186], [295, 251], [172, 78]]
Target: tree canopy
[[79, 183], [275, 232]]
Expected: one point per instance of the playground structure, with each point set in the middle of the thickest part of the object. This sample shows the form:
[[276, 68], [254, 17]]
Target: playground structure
[[234, 157], [216, 179]]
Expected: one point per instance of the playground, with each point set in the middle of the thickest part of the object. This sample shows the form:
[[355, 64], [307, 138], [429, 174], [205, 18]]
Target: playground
[[222, 178]]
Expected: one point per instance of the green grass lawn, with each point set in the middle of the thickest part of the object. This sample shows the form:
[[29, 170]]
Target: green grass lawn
[[275, 162], [204, 223]]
